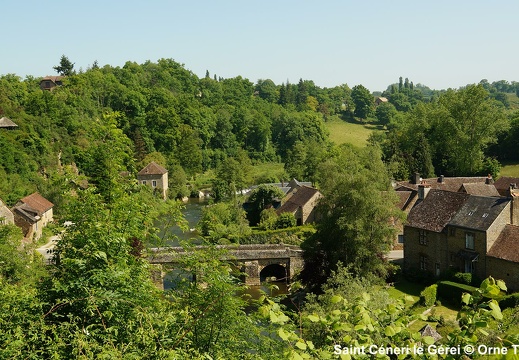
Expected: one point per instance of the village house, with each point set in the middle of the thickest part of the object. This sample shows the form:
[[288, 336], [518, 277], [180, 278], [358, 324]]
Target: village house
[[379, 100], [449, 231], [32, 214], [156, 177], [50, 82], [6, 216], [301, 200], [8, 124]]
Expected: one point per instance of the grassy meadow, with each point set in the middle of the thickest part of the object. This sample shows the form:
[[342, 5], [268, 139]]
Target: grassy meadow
[[355, 133]]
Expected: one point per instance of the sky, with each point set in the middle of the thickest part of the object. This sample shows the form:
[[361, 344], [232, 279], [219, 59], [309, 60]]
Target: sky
[[441, 44]]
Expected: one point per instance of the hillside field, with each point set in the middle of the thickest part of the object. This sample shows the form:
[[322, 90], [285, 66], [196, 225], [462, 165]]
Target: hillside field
[[349, 132]]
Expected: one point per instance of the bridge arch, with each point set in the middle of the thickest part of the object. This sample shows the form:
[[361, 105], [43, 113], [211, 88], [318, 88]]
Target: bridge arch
[[275, 272]]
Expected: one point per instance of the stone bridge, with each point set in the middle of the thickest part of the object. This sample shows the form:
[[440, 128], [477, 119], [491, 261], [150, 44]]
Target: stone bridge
[[257, 261]]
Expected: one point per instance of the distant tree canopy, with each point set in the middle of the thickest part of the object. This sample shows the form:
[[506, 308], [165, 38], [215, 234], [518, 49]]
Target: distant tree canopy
[[65, 67]]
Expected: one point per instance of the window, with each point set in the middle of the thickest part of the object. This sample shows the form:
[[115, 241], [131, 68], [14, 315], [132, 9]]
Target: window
[[154, 183], [469, 241], [143, 182], [400, 239], [422, 236], [423, 262]]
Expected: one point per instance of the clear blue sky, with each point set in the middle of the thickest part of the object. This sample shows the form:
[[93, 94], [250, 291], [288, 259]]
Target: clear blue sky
[[442, 43]]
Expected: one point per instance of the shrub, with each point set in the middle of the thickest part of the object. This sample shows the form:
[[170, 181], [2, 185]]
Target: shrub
[[451, 291], [285, 220], [463, 278], [428, 295], [509, 301]]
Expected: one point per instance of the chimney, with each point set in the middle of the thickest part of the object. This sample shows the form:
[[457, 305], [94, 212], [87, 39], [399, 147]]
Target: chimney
[[416, 178], [441, 179], [513, 193], [489, 180], [423, 190]]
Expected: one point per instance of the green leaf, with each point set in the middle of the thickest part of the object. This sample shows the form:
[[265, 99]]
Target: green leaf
[[501, 285], [390, 331], [301, 345], [465, 298], [282, 334], [313, 318], [335, 299], [428, 340], [496, 311]]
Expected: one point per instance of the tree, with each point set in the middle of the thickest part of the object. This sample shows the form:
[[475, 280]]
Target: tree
[[385, 112], [260, 199], [65, 67], [363, 101], [357, 212]]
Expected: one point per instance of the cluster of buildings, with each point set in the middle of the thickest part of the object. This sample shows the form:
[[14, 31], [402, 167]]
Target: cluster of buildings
[[461, 224]]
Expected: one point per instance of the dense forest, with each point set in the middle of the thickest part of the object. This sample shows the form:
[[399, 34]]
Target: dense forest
[[195, 124], [77, 143]]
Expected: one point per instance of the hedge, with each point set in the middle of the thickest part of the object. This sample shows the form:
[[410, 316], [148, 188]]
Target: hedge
[[451, 291], [290, 236], [509, 301], [428, 295]]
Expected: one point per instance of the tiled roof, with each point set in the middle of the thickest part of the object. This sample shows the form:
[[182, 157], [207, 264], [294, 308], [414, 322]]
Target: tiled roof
[[436, 210], [53, 78], [152, 169], [7, 123], [506, 247], [444, 183], [37, 202], [479, 212], [480, 189], [300, 197], [503, 184]]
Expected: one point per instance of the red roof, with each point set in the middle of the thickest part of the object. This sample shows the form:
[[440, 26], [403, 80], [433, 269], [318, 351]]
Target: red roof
[[37, 202]]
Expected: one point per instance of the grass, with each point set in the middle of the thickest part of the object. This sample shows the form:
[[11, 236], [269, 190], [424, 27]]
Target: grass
[[403, 287], [351, 132], [510, 170]]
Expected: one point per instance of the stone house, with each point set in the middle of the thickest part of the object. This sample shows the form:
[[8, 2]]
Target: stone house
[[6, 216], [301, 201], [32, 214], [458, 232], [156, 177], [50, 82]]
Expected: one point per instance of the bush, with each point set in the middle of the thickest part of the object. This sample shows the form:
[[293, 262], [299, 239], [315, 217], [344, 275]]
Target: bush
[[463, 278], [451, 292], [285, 220], [428, 295], [509, 301]]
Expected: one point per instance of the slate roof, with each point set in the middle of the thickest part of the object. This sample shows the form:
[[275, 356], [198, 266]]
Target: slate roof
[[27, 212], [152, 169], [7, 123], [479, 212], [503, 184], [436, 210], [448, 183], [480, 189], [300, 197], [506, 247], [37, 202]]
